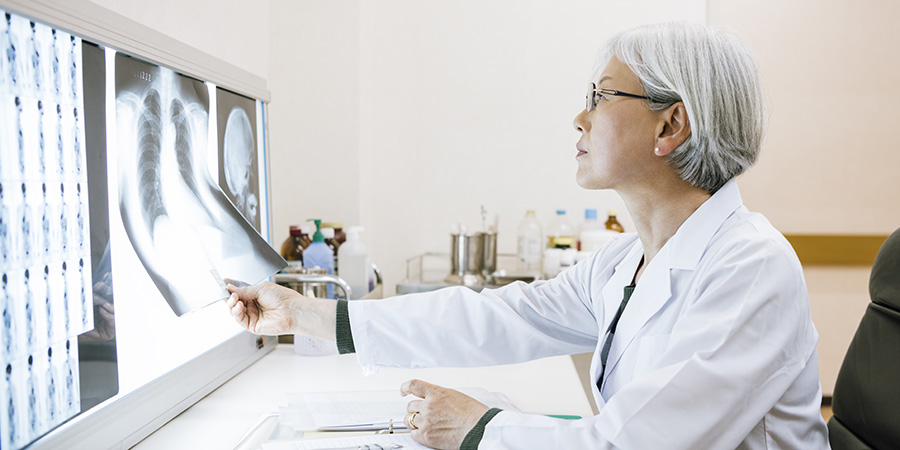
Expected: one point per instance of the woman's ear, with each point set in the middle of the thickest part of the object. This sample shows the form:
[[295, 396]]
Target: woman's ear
[[674, 129]]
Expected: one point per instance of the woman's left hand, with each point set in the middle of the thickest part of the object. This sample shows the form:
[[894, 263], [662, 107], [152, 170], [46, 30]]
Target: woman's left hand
[[443, 417]]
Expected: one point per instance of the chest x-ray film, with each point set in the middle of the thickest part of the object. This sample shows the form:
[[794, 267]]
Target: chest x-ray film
[[182, 227], [45, 273]]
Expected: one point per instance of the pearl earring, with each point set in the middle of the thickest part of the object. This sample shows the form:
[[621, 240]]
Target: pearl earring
[[656, 150]]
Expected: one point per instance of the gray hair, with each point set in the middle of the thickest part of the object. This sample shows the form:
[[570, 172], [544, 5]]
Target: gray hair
[[715, 77]]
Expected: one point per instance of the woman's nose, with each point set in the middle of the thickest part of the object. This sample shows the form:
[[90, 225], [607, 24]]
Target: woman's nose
[[580, 123]]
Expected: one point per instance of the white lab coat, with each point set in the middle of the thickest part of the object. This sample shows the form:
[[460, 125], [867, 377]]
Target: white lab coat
[[715, 350]]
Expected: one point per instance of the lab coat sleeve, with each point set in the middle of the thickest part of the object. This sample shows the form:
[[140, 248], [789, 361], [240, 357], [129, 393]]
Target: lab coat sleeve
[[458, 327], [734, 352]]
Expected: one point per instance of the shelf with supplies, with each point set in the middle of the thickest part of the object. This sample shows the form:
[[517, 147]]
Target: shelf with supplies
[[430, 271]]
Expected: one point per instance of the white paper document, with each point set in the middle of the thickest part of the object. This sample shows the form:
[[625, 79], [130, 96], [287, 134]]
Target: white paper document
[[371, 410], [386, 441]]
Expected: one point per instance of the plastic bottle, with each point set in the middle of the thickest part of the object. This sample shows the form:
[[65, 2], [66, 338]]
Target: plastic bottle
[[593, 235], [552, 262], [353, 263], [590, 224], [529, 249], [292, 249], [319, 254], [612, 223], [567, 259], [560, 233]]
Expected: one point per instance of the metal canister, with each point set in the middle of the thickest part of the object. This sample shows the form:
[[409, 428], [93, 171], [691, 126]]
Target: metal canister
[[490, 256], [310, 289], [466, 259]]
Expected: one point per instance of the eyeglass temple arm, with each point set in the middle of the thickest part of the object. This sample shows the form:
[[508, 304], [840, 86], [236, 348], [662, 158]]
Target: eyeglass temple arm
[[621, 94]]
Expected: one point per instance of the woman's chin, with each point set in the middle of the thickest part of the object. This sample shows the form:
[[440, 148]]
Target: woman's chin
[[588, 182]]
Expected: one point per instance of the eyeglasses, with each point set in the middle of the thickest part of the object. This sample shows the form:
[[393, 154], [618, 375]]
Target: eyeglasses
[[592, 94]]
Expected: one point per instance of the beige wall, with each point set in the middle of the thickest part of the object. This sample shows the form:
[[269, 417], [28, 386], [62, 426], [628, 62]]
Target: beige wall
[[830, 161], [832, 77]]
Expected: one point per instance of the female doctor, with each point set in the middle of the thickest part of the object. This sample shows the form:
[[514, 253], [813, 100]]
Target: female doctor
[[699, 322]]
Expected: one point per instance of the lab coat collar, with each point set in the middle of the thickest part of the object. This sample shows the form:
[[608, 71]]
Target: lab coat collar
[[683, 251], [693, 236]]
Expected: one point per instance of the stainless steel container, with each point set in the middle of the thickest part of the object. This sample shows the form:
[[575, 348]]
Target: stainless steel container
[[490, 257], [305, 286], [466, 259]]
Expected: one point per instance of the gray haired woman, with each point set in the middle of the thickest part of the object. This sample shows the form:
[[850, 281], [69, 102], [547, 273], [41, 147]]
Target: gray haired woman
[[699, 322]]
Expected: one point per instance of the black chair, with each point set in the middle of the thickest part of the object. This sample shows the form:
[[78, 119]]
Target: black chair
[[866, 402]]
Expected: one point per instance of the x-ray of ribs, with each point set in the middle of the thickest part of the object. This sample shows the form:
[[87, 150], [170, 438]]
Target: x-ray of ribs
[[184, 152], [173, 212], [149, 154]]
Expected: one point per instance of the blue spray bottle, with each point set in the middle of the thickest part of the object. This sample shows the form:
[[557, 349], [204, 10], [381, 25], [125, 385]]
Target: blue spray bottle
[[319, 254]]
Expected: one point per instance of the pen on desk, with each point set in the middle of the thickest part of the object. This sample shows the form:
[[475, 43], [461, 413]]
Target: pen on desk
[[367, 447], [563, 416]]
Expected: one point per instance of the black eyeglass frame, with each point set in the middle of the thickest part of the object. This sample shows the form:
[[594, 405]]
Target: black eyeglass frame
[[590, 98]]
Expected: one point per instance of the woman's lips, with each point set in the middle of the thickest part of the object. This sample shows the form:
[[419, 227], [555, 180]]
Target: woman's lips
[[580, 152]]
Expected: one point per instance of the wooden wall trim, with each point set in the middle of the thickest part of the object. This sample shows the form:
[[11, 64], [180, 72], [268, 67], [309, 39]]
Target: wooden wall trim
[[836, 249]]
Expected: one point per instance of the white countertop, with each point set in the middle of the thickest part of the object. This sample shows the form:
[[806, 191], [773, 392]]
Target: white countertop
[[221, 419]]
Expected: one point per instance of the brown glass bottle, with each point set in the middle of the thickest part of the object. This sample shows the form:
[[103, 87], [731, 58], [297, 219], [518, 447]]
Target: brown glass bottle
[[612, 223], [292, 248], [339, 235]]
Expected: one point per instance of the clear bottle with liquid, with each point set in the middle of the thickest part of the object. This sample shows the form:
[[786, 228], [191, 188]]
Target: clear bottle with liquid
[[529, 250], [560, 233]]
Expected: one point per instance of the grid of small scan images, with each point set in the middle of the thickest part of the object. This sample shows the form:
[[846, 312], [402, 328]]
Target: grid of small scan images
[[46, 297]]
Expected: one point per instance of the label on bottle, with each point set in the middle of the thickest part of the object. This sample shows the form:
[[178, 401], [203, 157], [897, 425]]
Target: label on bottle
[[529, 249], [561, 242]]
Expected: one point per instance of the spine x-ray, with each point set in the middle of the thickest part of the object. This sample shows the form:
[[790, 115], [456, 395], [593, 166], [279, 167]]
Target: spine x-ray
[[45, 273], [182, 226]]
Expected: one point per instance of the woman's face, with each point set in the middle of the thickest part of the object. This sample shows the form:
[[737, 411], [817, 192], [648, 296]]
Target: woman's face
[[617, 136]]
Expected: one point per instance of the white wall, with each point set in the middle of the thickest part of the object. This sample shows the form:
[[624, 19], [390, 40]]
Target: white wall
[[470, 103], [406, 116], [235, 31], [314, 114]]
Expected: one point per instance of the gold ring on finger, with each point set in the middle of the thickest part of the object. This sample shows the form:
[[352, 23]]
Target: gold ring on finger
[[412, 418]]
